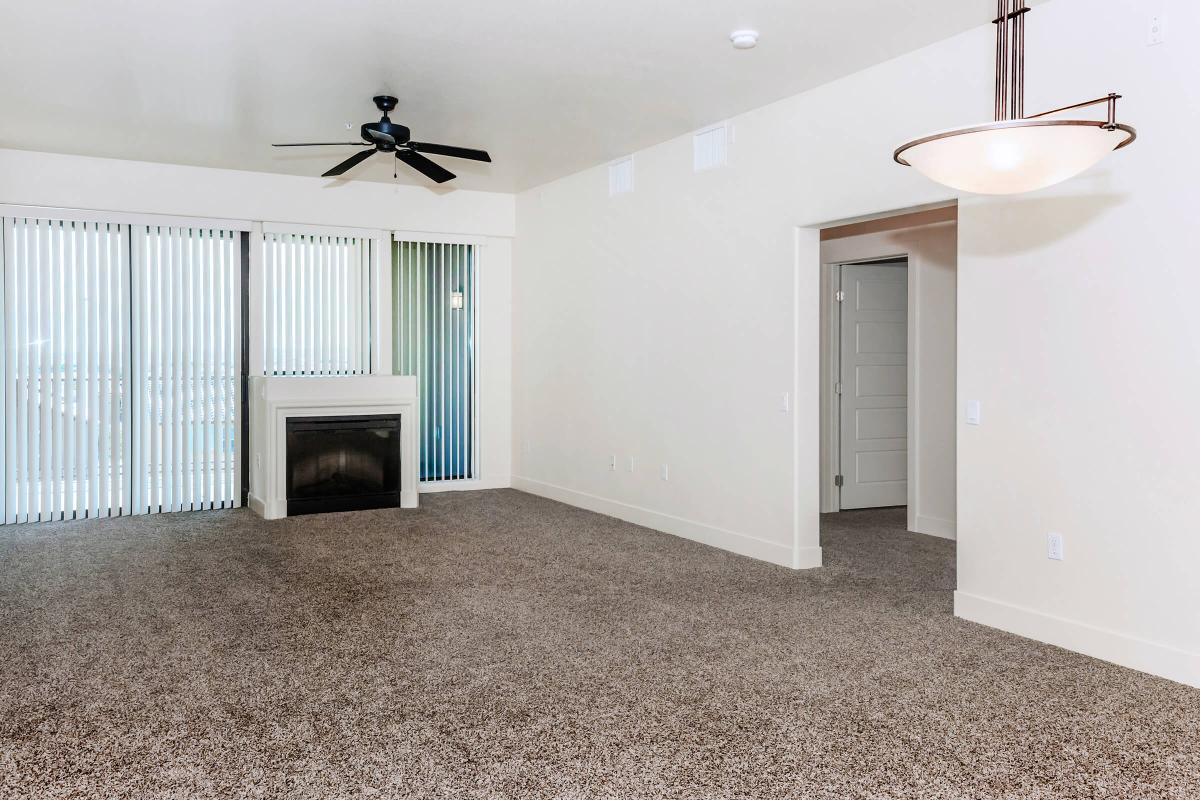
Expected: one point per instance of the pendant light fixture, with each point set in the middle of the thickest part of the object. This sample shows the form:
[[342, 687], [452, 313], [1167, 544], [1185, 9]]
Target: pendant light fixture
[[1016, 153]]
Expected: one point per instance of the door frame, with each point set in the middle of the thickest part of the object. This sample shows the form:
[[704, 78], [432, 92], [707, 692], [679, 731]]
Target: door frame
[[832, 316], [857, 250], [892, 242]]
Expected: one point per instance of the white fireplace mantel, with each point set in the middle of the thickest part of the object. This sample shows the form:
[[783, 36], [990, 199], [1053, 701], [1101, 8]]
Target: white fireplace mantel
[[273, 399]]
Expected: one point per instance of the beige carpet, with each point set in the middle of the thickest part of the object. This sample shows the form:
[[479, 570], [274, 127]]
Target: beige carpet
[[497, 645]]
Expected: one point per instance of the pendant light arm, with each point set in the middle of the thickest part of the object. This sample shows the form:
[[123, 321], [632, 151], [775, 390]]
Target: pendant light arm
[[1111, 99]]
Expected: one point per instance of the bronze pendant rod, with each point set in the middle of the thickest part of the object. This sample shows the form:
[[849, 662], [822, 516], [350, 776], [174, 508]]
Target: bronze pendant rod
[[1002, 60], [999, 87], [1019, 74], [1010, 59]]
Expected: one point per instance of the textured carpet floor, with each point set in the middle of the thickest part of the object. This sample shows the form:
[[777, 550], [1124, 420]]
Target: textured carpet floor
[[495, 644]]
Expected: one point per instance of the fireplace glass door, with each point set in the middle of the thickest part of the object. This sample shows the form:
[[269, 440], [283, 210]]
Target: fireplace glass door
[[342, 463]]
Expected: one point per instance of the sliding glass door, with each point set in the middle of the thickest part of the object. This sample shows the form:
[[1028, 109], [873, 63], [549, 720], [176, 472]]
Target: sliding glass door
[[186, 351], [122, 363], [66, 337], [434, 313]]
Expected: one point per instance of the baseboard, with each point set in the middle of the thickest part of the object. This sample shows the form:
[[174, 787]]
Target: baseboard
[[433, 487], [739, 543], [1128, 651], [256, 505], [932, 526]]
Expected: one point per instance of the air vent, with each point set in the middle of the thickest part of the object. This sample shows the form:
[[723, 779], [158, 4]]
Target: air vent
[[620, 176], [710, 147]]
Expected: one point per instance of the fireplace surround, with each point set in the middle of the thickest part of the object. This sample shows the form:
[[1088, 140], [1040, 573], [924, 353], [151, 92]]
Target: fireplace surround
[[357, 404]]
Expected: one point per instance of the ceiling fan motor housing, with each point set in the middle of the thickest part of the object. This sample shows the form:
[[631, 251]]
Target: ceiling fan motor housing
[[398, 133], [392, 134]]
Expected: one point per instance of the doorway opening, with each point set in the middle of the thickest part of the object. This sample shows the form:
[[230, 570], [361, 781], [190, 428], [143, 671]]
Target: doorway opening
[[870, 387], [888, 371]]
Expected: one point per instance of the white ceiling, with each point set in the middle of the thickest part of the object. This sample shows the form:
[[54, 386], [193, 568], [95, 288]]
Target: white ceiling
[[550, 87]]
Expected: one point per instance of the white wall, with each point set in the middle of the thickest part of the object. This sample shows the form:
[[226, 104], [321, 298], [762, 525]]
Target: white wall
[[667, 323], [104, 184], [97, 184], [932, 252], [1080, 334], [661, 324]]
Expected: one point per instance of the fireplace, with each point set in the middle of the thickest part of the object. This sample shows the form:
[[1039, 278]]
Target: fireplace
[[289, 474], [343, 463]]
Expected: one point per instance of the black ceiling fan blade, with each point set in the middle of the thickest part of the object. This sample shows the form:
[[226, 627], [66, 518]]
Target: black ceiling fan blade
[[448, 150], [423, 165], [352, 161], [322, 144]]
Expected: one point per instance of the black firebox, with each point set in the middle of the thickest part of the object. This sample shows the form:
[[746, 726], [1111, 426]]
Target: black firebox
[[342, 463]]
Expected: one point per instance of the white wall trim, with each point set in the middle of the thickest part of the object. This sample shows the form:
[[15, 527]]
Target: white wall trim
[[805, 241], [440, 238], [381, 303], [740, 543], [123, 218], [1119, 648], [257, 323], [322, 230], [932, 526], [829, 358], [469, 485]]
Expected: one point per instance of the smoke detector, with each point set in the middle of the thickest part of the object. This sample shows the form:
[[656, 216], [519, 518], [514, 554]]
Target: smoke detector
[[744, 40]]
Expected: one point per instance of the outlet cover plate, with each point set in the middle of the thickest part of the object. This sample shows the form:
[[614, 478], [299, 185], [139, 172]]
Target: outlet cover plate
[[1054, 546]]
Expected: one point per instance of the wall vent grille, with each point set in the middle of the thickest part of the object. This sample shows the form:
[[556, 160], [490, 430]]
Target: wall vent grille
[[710, 148], [620, 177]]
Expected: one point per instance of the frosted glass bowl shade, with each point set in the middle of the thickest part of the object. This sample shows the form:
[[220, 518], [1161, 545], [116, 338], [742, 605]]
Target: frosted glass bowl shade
[[1013, 156]]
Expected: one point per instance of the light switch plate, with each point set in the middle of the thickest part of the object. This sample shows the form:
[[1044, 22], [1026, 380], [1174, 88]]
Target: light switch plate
[[974, 412]]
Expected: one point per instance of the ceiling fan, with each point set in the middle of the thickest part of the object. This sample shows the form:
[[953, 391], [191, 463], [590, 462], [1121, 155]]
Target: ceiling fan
[[386, 136]]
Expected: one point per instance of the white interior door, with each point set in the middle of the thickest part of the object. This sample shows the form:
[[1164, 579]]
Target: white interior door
[[874, 385]]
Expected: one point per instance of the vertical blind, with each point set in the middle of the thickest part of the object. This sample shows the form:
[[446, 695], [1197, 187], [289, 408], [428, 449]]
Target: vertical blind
[[434, 324], [66, 329], [121, 369], [187, 343], [316, 304]]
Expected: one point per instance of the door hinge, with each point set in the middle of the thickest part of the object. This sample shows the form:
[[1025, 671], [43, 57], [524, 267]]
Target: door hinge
[[838, 480], [837, 388], [841, 296]]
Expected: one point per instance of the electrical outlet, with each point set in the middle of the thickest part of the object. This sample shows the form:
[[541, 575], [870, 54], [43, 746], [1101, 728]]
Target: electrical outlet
[[612, 463], [1157, 32], [1054, 546], [666, 472]]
